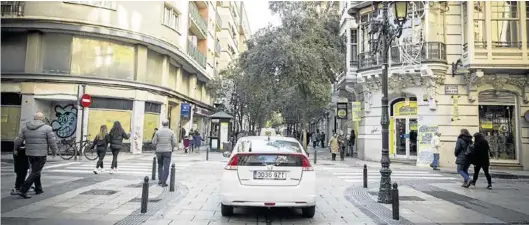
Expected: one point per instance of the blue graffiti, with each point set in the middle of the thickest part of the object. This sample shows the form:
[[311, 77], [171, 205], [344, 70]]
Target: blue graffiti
[[66, 122]]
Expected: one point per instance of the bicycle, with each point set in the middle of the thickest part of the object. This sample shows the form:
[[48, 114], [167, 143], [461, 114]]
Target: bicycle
[[70, 148]]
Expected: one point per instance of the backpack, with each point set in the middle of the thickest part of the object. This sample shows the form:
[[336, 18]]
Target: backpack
[[470, 150]]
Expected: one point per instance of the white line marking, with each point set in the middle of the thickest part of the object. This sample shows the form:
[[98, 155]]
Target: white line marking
[[106, 172], [394, 172], [405, 178], [59, 165]]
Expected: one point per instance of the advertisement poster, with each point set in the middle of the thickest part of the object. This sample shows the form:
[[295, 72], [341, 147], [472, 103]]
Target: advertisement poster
[[355, 111], [184, 110], [223, 133], [425, 155]]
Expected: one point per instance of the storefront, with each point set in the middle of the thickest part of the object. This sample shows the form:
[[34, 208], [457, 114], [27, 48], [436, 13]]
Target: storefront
[[10, 119], [151, 120], [403, 128], [105, 111], [498, 121]]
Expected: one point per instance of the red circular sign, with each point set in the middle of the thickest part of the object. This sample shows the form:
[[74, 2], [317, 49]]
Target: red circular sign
[[86, 100]]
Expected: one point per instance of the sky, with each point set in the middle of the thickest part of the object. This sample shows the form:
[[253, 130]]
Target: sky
[[259, 15]]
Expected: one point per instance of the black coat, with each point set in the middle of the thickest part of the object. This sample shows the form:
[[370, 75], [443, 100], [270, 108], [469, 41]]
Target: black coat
[[101, 144], [116, 141], [481, 153], [461, 146]]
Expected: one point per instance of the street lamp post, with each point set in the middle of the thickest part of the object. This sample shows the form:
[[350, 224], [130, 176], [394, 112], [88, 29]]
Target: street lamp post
[[384, 32]]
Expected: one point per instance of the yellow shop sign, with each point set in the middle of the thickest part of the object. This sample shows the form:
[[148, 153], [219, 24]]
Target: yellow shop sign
[[401, 109]]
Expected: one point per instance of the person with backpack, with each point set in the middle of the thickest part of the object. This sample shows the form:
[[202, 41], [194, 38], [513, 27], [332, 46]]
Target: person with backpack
[[463, 152], [101, 142], [481, 159]]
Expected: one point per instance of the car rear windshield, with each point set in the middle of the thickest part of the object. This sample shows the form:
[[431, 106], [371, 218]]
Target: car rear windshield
[[269, 159], [272, 145]]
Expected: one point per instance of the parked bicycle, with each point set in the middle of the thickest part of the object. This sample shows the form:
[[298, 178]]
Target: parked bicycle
[[68, 148]]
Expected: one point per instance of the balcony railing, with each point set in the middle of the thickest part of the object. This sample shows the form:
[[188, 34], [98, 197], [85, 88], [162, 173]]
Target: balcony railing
[[12, 8], [195, 54], [217, 47], [507, 44], [431, 51], [218, 21], [197, 19]]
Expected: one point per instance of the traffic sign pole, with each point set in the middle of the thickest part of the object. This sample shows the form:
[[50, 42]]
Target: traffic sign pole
[[84, 102]]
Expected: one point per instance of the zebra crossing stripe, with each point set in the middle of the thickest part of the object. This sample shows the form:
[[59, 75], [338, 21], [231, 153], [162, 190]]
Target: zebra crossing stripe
[[400, 178], [393, 172]]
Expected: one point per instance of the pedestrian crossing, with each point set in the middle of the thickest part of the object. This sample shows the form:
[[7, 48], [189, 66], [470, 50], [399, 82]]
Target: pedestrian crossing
[[126, 168], [355, 174]]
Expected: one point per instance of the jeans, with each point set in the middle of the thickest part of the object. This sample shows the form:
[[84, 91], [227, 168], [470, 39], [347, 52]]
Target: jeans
[[462, 169], [115, 153], [477, 168], [37, 163], [333, 156], [164, 160], [314, 143], [435, 162], [342, 153], [101, 154]]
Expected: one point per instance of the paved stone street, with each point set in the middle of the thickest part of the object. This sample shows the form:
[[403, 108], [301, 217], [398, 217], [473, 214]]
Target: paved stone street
[[74, 195]]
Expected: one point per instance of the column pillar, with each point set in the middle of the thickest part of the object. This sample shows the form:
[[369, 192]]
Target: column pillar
[[136, 141], [27, 109]]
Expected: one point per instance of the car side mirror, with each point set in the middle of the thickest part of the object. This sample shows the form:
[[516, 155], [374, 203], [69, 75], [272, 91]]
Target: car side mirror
[[226, 154]]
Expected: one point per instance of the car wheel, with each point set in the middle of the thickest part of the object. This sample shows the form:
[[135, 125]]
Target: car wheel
[[308, 212], [226, 210]]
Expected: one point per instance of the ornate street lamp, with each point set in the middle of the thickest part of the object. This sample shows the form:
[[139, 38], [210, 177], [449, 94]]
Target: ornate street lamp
[[383, 32]]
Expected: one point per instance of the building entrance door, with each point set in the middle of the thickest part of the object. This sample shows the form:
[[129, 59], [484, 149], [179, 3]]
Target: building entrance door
[[405, 139]]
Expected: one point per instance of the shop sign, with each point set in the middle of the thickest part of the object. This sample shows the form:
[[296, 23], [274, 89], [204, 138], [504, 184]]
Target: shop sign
[[403, 109], [486, 125], [451, 90], [341, 110], [355, 111], [184, 110], [426, 133], [455, 108]]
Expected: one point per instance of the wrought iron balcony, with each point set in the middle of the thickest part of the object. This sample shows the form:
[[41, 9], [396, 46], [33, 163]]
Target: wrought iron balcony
[[195, 54], [430, 52], [12, 8], [194, 15]]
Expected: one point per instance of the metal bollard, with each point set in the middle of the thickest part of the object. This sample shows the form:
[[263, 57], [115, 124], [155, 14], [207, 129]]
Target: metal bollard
[[365, 176], [171, 182], [153, 168], [315, 155], [145, 194], [395, 201], [207, 154]]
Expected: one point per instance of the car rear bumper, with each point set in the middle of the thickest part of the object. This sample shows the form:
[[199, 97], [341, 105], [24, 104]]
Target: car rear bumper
[[234, 194]]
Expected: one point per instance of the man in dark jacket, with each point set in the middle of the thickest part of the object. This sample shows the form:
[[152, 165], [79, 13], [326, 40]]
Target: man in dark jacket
[[462, 159], [38, 137], [21, 168]]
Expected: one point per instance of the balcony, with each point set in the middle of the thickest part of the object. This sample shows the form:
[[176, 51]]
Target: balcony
[[217, 48], [12, 8], [195, 54], [430, 52], [200, 27], [218, 22]]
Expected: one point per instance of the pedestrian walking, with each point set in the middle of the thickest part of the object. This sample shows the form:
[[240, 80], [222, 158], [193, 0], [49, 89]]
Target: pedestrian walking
[[314, 139], [165, 141], [463, 152], [197, 141], [186, 144], [435, 144], [352, 138], [480, 159], [101, 142], [334, 146], [21, 167], [38, 137], [322, 138], [116, 136], [190, 141], [341, 143]]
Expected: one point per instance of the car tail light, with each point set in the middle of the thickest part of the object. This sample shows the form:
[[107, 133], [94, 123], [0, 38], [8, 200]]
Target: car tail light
[[305, 164], [232, 164]]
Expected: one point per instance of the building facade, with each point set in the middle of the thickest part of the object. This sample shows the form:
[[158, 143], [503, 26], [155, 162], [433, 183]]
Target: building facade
[[457, 65], [140, 61]]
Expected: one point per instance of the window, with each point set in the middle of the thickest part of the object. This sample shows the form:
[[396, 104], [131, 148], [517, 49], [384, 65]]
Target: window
[[505, 24], [56, 53], [111, 103], [480, 37], [364, 33], [354, 46], [102, 4], [154, 68], [170, 18], [101, 58], [14, 52], [153, 107], [464, 14]]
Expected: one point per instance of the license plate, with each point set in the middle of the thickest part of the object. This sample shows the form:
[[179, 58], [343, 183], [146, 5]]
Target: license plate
[[269, 175]]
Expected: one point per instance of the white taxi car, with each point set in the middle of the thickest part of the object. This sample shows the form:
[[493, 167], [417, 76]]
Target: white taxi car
[[268, 171]]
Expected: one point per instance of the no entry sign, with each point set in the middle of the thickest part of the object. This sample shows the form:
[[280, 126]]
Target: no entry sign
[[86, 100]]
